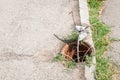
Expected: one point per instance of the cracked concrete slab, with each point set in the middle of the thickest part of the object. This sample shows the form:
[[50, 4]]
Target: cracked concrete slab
[[29, 70], [27, 43]]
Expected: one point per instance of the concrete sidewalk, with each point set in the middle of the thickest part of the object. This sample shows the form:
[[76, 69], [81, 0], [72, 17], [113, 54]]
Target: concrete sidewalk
[[27, 27], [27, 44], [111, 17]]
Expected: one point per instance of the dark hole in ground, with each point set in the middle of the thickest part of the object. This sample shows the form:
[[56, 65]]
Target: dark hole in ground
[[71, 51]]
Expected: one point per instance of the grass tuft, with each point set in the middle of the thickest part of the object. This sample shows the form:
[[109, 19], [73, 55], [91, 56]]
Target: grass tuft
[[73, 36], [68, 64], [59, 57], [100, 31]]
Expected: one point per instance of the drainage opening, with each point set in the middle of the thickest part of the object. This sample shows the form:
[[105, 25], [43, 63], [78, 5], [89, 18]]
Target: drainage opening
[[70, 51]]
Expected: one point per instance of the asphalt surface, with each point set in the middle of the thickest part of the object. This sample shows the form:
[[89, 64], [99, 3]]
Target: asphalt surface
[[27, 43], [111, 17]]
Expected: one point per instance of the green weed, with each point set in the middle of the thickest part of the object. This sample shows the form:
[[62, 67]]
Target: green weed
[[68, 64], [100, 31], [73, 36], [59, 57]]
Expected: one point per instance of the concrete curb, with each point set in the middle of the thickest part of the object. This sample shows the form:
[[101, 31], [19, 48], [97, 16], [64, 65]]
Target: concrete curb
[[84, 16]]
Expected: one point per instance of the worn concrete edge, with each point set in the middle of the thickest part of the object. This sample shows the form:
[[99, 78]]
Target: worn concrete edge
[[84, 18]]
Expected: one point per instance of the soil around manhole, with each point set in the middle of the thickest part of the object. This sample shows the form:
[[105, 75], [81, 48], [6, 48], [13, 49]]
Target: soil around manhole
[[69, 51]]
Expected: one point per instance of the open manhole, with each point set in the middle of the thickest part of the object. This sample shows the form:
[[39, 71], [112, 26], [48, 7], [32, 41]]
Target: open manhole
[[69, 51]]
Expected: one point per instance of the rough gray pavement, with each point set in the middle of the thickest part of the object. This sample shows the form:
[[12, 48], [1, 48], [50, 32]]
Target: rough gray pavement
[[111, 17], [26, 69], [27, 44], [27, 27]]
